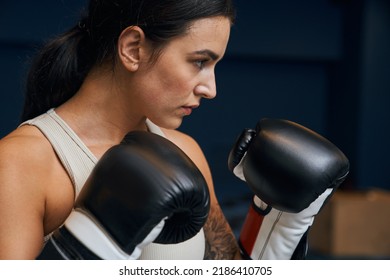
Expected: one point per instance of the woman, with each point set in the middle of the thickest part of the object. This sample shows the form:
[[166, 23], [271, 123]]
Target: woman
[[127, 65]]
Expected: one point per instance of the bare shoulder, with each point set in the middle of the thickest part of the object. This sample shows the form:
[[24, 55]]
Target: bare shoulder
[[191, 147], [22, 198], [179, 138], [27, 165], [188, 144], [22, 147]]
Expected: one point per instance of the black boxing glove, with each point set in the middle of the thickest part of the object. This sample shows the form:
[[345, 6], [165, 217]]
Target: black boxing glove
[[142, 191], [292, 172]]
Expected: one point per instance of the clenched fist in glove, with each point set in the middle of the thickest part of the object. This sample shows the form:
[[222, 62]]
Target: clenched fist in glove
[[142, 191], [292, 172]]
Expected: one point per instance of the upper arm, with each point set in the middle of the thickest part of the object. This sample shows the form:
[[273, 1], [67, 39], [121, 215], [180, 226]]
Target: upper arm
[[22, 203]]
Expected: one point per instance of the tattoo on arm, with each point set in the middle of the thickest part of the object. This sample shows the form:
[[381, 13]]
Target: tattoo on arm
[[220, 241]]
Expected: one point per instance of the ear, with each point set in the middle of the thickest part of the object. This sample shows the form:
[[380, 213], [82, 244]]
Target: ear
[[129, 47]]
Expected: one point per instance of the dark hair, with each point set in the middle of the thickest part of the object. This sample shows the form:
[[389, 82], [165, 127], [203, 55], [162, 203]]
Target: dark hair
[[61, 66]]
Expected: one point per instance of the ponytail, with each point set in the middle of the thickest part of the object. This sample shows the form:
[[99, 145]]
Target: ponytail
[[57, 72]]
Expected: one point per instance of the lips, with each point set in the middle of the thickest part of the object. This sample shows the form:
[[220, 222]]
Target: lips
[[188, 109]]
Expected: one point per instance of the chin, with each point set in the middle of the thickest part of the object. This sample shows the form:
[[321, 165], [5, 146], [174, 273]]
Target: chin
[[168, 124]]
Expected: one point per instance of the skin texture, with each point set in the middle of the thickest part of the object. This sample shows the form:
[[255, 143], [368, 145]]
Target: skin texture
[[36, 194]]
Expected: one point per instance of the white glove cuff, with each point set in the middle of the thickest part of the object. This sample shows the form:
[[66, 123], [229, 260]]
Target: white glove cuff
[[94, 238]]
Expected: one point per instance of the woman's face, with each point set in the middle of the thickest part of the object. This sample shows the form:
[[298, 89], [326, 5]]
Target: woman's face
[[184, 73]]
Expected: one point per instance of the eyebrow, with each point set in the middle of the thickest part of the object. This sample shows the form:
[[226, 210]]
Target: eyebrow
[[209, 53]]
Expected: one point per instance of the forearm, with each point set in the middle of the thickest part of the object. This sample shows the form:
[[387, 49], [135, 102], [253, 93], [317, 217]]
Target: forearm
[[220, 241]]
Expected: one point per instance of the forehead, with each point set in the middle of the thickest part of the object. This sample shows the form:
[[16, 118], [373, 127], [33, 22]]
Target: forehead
[[208, 33], [211, 25]]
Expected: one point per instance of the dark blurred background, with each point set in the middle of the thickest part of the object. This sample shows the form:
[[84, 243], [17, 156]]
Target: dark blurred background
[[324, 64]]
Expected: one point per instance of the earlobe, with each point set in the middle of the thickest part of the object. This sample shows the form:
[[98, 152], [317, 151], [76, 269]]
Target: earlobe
[[129, 47]]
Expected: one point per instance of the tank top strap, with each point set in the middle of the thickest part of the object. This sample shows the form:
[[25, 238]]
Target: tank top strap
[[74, 155], [154, 128]]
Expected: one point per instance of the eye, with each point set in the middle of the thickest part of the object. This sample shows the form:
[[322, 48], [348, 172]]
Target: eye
[[200, 63]]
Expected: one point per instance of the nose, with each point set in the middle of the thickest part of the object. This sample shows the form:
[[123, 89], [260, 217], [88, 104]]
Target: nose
[[207, 87]]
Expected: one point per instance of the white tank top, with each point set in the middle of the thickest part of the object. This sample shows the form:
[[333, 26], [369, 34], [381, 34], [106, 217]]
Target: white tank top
[[79, 161]]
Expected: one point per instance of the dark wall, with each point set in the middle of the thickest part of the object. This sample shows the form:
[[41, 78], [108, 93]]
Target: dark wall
[[324, 64], [373, 137], [24, 26]]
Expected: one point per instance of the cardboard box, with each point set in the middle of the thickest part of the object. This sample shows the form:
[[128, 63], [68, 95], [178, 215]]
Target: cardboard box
[[353, 224]]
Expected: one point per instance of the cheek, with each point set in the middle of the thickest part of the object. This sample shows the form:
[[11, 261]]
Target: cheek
[[175, 82]]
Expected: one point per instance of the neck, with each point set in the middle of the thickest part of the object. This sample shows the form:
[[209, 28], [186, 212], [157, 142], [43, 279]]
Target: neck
[[99, 114]]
